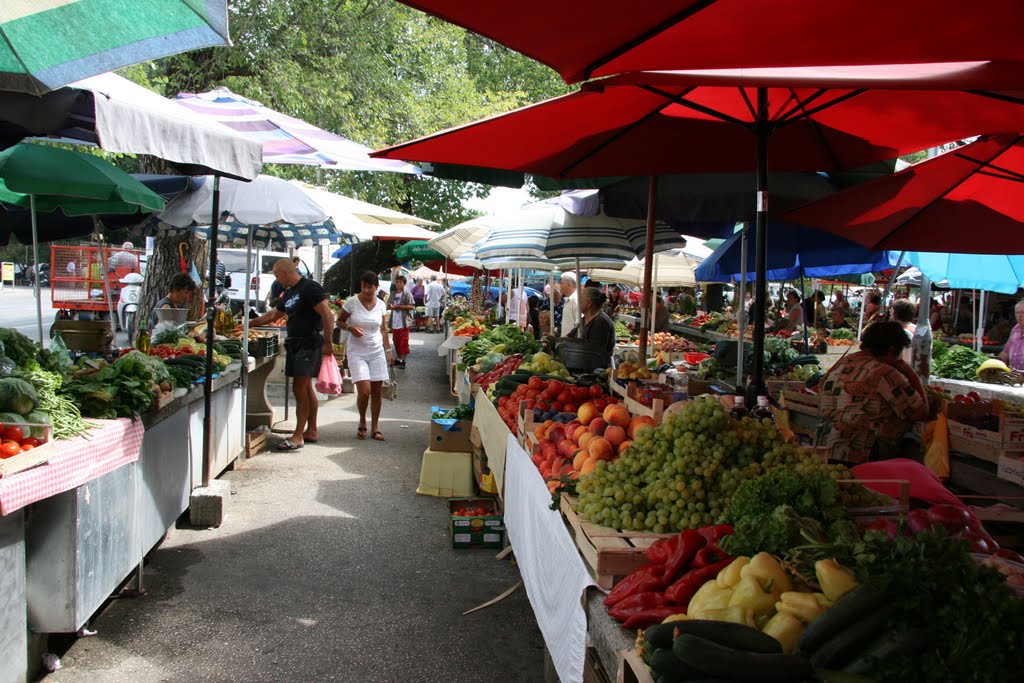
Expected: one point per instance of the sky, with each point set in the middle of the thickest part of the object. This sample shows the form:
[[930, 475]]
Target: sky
[[500, 200]]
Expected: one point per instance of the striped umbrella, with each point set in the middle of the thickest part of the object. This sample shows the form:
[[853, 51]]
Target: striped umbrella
[[50, 43], [276, 237], [285, 139]]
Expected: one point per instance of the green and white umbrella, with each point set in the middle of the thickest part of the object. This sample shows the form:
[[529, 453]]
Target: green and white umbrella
[[49, 43]]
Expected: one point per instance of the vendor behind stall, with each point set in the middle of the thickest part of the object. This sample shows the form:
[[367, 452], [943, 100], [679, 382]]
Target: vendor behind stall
[[1013, 353], [598, 328], [182, 287], [877, 398]]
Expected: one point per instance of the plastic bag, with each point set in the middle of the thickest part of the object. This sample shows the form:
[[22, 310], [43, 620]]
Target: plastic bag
[[936, 454], [329, 380], [7, 366]]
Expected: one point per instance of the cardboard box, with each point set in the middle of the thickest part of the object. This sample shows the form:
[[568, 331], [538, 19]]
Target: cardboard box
[[1011, 468], [476, 531], [449, 435], [1008, 436]]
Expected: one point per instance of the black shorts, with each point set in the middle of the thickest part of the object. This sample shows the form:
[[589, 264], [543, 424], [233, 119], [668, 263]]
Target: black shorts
[[304, 356]]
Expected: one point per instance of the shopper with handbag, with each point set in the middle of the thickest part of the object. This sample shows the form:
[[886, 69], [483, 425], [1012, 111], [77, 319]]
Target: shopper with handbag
[[369, 350]]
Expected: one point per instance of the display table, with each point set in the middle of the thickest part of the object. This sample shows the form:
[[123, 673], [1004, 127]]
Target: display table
[[258, 411], [986, 390], [553, 572]]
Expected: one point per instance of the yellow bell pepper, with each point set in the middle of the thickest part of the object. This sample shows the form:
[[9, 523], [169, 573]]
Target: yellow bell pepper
[[786, 629], [835, 580], [710, 596], [802, 606], [767, 570], [735, 615], [822, 600], [730, 576], [675, 617], [749, 593]]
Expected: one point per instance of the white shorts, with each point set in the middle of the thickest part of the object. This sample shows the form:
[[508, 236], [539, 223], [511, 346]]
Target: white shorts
[[374, 368], [433, 311]]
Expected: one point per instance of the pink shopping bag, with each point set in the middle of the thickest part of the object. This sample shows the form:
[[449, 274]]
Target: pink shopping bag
[[329, 380]]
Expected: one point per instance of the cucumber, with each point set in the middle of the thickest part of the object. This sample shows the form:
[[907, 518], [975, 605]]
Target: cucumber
[[666, 665], [740, 665], [851, 608], [738, 636], [852, 641], [904, 643], [804, 360], [661, 635]]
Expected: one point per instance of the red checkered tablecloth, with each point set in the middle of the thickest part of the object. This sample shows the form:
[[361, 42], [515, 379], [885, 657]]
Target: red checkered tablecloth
[[109, 445]]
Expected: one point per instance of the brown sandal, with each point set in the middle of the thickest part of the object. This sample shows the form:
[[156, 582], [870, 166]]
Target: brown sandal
[[378, 436], [361, 433]]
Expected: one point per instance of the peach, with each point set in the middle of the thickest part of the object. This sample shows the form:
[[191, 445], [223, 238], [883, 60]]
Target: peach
[[578, 434], [586, 413], [597, 426], [615, 435], [572, 427], [600, 448], [581, 457], [566, 447], [624, 446], [589, 465], [616, 415], [637, 423], [585, 439]]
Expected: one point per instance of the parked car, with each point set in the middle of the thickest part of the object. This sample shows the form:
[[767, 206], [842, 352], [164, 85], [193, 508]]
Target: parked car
[[259, 279], [460, 290]]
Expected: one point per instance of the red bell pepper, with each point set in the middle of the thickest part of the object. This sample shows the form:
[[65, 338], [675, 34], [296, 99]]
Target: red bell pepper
[[714, 534], [637, 603], [680, 592], [708, 555], [651, 617], [659, 552], [690, 542], [629, 585]]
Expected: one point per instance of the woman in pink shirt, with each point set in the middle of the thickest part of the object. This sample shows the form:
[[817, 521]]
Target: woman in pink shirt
[[1013, 353]]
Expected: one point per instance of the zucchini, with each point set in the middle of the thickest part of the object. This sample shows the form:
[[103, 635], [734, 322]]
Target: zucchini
[[805, 360], [905, 643], [740, 665], [851, 642], [667, 666], [851, 608], [661, 635], [738, 636]]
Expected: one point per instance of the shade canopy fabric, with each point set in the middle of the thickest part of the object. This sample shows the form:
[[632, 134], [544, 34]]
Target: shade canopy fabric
[[580, 40], [687, 122], [121, 116], [285, 139], [418, 250], [78, 184], [671, 269], [990, 272], [50, 43], [365, 221], [276, 236], [970, 199], [264, 201], [454, 242], [794, 252]]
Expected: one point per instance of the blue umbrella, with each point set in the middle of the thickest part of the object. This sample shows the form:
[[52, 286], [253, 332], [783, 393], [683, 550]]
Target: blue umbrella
[[989, 272]]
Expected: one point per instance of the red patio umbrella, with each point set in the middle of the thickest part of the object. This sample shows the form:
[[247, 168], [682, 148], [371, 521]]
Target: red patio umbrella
[[733, 121], [969, 200], [581, 39]]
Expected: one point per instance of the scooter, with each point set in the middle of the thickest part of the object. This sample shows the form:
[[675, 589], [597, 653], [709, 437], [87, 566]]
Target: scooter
[[128, 301]]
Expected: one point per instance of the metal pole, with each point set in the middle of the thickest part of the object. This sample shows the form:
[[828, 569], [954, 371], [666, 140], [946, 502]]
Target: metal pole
[[654, 297], [35, 267], [579, 297], [645, 295], [551, 302], [807, 344], [741, 314], [981, 322], [760, 244], [211, 317], [245, 333]]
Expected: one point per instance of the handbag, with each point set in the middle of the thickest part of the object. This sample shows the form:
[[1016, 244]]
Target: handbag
[[389, 387], [329, 380]]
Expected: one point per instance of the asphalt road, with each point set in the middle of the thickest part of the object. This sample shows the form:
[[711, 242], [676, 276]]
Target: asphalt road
[[18, 310], [328, 567]]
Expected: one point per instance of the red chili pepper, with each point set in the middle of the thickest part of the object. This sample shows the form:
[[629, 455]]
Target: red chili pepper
[[680, 592], [628, 586], [690, 542], [715, 533], [651, 617], [659, 552], [637, 603], [708, 555]]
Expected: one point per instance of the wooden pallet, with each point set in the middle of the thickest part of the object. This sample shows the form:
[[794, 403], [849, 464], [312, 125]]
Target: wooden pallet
[[255, 442], [631, 669], [609, 554]]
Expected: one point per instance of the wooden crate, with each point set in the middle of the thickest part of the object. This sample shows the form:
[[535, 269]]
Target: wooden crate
[[609, 554], [39, 455], [656, 411], [631, 669], [255, 442], [799, 402]]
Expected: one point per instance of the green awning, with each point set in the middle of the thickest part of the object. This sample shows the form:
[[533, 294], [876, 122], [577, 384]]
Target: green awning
[[417, 250]]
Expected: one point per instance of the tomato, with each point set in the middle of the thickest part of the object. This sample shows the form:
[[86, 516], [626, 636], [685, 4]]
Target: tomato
[[570, 408], [13, 433], [554, 386], [564, 396], [596, 391], [9, 448], [535, 383], [29, 441], [27, 447], [974, 396]]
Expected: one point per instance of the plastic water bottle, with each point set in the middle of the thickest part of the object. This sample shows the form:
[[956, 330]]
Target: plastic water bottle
[[142, 340], [762, 410], [739, 411]]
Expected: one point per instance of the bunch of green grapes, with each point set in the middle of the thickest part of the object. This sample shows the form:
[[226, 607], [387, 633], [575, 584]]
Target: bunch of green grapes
[[681, 474]]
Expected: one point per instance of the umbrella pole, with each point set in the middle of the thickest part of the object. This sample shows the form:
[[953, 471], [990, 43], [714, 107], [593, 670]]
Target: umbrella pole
[[860, 322], [807, 344], [654, 297], [760, 245], [981, 322], [579, 298], [974, 307], [35, 259], [245, 334], [551, 300], [211, 317], [741, 314], [645, 295], [888, 285]]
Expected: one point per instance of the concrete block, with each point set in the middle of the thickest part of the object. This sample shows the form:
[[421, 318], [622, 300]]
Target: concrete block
[[208, 504]]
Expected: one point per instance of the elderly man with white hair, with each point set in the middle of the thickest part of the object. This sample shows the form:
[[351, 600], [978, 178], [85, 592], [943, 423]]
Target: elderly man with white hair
[[433, 296], [570, 305]]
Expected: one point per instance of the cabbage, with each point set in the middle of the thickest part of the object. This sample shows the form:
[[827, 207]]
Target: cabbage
[[488, 362], [17, 395]]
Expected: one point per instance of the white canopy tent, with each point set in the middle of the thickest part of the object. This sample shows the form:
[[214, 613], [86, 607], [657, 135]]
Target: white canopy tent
[[366, 221]]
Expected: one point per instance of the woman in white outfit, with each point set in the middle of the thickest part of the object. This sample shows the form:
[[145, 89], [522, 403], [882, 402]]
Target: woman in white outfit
[[369, 349]]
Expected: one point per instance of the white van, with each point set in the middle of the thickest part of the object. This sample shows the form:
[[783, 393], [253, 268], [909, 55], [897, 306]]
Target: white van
[[260, 278]]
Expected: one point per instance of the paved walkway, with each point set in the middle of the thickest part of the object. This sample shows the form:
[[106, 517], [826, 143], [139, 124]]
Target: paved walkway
[[328, 568]]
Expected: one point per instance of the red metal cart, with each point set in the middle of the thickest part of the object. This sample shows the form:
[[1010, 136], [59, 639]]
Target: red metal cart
[[77, 282]]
